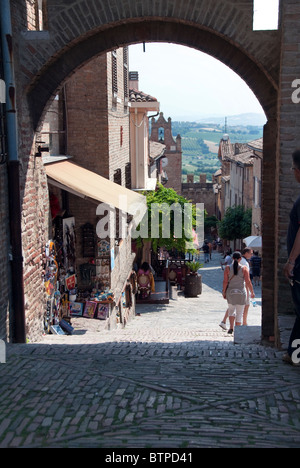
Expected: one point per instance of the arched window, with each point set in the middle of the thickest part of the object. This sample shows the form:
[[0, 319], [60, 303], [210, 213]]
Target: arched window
[[161, 134]]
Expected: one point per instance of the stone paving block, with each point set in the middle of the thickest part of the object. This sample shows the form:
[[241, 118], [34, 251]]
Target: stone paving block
[[172, 373], [247, 335]]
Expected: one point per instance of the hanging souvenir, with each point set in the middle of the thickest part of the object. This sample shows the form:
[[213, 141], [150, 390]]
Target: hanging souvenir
[[70, 282]]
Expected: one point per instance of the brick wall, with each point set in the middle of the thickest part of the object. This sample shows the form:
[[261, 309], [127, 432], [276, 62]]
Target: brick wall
[[87, 118], [200, 193], [98, 139], [31, 18], [35, 234], [289, 139], [258, 57], [255, 56]]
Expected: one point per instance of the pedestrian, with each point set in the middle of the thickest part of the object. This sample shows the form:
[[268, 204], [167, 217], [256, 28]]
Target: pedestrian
[[205, 249], [292, 266], [256, 267], [227, 260], [246, 255], [236, 278], [145, 280], [210, 246], [245, 261]]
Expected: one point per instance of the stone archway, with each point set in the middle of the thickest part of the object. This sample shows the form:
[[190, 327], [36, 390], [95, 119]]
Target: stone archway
[[55, 72], [81, 30]]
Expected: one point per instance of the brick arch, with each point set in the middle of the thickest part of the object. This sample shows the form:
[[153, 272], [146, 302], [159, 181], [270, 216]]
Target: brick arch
[[47, 81], [79, 30]]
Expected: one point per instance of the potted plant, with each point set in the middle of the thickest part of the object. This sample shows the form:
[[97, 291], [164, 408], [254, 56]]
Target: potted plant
[[193, 267], [193, 281]]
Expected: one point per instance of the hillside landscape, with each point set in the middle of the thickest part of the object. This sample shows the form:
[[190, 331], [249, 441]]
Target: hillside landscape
[[200, 143]]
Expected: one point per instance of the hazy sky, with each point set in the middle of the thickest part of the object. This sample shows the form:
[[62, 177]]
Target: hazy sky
[[190, 84]]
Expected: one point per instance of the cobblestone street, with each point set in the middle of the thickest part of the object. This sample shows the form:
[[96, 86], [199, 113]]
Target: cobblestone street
[[171, 379]]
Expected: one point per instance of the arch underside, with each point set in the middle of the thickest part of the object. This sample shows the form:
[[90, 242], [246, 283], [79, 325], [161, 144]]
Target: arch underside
[[59, 69]]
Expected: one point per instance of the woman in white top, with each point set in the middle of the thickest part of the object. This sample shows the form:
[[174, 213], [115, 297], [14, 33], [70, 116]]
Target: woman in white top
[[235, 285], [227, 261]]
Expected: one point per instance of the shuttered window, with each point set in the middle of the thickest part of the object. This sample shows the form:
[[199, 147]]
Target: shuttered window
[[128, 176], [125, 68], [114, 75]]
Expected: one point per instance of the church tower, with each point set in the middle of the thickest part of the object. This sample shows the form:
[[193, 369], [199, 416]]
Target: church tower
[[161, 132]]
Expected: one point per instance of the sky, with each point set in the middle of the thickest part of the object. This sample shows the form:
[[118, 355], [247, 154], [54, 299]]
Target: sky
[[190, 84]]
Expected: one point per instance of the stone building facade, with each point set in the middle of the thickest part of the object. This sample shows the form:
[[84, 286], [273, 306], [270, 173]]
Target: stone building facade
[[239, 181], [70, 33], [141, 104], [200, 192]]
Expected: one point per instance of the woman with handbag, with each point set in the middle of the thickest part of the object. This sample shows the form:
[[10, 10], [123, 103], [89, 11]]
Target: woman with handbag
[[235, 284]]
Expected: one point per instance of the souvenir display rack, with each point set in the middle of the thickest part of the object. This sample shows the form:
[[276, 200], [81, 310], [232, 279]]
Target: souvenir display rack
[[64, 299], [94, 298]]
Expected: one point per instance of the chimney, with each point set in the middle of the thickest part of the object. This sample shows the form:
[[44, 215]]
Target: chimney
[[134, 80]]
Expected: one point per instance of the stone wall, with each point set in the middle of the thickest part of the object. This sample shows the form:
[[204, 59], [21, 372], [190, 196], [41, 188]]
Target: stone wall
[[200, 192]]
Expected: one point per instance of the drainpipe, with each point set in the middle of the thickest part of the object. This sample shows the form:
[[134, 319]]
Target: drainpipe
[[136, 150], [17, 307]]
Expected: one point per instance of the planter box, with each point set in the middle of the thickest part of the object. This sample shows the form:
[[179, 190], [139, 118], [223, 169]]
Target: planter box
[[193, 285]]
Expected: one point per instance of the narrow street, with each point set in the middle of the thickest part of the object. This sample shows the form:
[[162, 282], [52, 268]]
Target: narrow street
[[171, 379]]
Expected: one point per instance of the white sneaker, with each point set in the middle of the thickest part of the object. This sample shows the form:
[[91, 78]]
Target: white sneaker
[[223, 325]]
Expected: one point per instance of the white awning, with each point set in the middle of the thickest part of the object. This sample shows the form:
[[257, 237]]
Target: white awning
[[87, 184]]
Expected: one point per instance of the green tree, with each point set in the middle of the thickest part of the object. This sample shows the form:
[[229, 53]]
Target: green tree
[[164, 224], [236, 223], [210, 222]]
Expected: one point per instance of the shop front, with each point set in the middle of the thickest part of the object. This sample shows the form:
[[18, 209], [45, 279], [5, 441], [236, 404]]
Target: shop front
[[88, 262]]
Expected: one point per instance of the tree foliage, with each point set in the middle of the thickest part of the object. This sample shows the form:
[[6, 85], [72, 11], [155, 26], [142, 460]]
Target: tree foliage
[[236, 223], [170, 221], [210, 222]]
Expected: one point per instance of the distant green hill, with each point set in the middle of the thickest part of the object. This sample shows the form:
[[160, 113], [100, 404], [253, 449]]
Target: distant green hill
[[200, 142]]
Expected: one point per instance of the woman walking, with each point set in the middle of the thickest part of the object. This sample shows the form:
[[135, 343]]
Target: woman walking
[[235, 284]]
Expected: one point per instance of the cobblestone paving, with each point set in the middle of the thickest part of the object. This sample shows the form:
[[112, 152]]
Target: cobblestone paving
[[171, 379]]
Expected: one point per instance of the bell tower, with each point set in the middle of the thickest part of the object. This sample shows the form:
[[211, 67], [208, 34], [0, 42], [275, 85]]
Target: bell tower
[[161, 132]]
